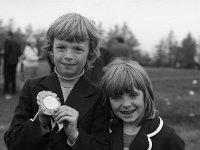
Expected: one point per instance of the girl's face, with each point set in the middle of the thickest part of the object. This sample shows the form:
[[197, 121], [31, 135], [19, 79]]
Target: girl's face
[[129, 107], [70, 58]]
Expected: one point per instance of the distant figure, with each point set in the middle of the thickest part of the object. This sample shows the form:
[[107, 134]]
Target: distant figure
[[11, 56], [31, 58], [119, 49], [1, 65]]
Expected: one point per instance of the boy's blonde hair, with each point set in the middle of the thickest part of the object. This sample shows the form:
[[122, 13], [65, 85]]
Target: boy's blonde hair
[[74, 27], [123, 76]]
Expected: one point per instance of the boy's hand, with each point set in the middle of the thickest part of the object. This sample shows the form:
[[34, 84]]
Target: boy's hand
[[43, 118], [44, 122], [69, 117]]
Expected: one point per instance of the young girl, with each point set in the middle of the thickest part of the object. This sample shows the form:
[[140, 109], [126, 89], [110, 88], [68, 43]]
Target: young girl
[[73, 42], [135, 124]]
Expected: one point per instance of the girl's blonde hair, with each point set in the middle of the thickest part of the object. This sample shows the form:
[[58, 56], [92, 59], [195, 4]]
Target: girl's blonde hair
[[124, 76], [74, 27]]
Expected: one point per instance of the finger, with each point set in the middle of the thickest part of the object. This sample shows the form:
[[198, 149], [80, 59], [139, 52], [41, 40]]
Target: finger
[[64, 113], [64, 108], [44, 118], [44, 115], [74, 115], [67, 119]]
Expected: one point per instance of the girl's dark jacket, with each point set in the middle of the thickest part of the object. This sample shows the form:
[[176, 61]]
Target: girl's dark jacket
[[153, 135], [93, 121]]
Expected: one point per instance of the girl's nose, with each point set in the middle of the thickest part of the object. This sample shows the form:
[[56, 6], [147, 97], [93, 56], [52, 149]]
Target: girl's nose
[[126, 103]]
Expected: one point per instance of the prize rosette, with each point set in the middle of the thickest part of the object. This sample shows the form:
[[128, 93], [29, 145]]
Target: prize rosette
[[47, 102]]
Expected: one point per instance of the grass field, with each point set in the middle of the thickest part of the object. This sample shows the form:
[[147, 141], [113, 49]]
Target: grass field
[[177, 95], [177, 99]]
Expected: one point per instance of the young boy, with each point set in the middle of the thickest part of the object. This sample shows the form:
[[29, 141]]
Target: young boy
[[135, 124], [73, 42]]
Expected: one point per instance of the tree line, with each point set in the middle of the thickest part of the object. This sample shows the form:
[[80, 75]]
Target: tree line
[[168, 53]]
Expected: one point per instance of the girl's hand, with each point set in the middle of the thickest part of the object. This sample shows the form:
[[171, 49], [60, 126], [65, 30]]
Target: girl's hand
[[69, 117]]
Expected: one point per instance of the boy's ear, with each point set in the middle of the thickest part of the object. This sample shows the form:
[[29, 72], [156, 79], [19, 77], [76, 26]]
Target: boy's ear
[[50, 55]]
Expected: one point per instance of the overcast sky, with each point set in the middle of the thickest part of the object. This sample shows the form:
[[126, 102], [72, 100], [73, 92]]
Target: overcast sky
[[149, 20]]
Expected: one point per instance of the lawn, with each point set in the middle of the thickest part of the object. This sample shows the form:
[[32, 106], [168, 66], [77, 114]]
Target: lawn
[[177, 98]]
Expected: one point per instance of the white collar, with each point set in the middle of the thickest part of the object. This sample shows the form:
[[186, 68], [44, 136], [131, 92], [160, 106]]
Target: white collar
[[69, 79]]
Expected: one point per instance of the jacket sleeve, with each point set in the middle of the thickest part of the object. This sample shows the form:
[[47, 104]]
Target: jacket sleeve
[[174, 142], [99, 137], [24, 134]]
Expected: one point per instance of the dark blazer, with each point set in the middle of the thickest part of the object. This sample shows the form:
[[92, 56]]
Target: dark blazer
[[12, 51], [93, 120], [153, 135]]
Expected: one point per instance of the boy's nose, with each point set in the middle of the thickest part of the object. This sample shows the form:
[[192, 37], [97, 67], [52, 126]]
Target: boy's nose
[[69, 54]]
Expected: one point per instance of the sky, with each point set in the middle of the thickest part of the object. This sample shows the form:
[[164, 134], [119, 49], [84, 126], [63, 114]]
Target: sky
[[149, 20]]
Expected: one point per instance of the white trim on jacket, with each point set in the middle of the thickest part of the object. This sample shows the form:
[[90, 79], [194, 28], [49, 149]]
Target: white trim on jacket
[[154, 133]]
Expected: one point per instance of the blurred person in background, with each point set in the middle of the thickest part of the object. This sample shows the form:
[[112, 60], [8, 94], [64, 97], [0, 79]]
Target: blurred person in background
[[11, 55], [30, 59], [118, 48], [1, 66]]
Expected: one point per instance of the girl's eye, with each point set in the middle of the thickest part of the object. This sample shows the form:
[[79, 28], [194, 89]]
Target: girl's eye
[[133, 95], [115, 98]]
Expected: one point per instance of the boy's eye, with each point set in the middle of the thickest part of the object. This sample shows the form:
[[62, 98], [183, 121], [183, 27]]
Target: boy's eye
[[60, 47], [78, 49]]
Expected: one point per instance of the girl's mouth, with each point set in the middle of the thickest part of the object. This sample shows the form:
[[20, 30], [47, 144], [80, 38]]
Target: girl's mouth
[[127, 112]]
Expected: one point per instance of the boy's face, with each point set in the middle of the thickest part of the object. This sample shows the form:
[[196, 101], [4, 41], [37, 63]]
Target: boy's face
[[129, 107], [70, 58]]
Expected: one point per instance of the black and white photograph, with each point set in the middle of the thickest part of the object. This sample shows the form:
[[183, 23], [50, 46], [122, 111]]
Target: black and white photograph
[[99, 74]]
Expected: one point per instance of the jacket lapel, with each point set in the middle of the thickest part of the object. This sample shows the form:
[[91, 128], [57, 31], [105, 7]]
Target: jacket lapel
[[82, 96], [51, 83], [140, 141], [117, 138]]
